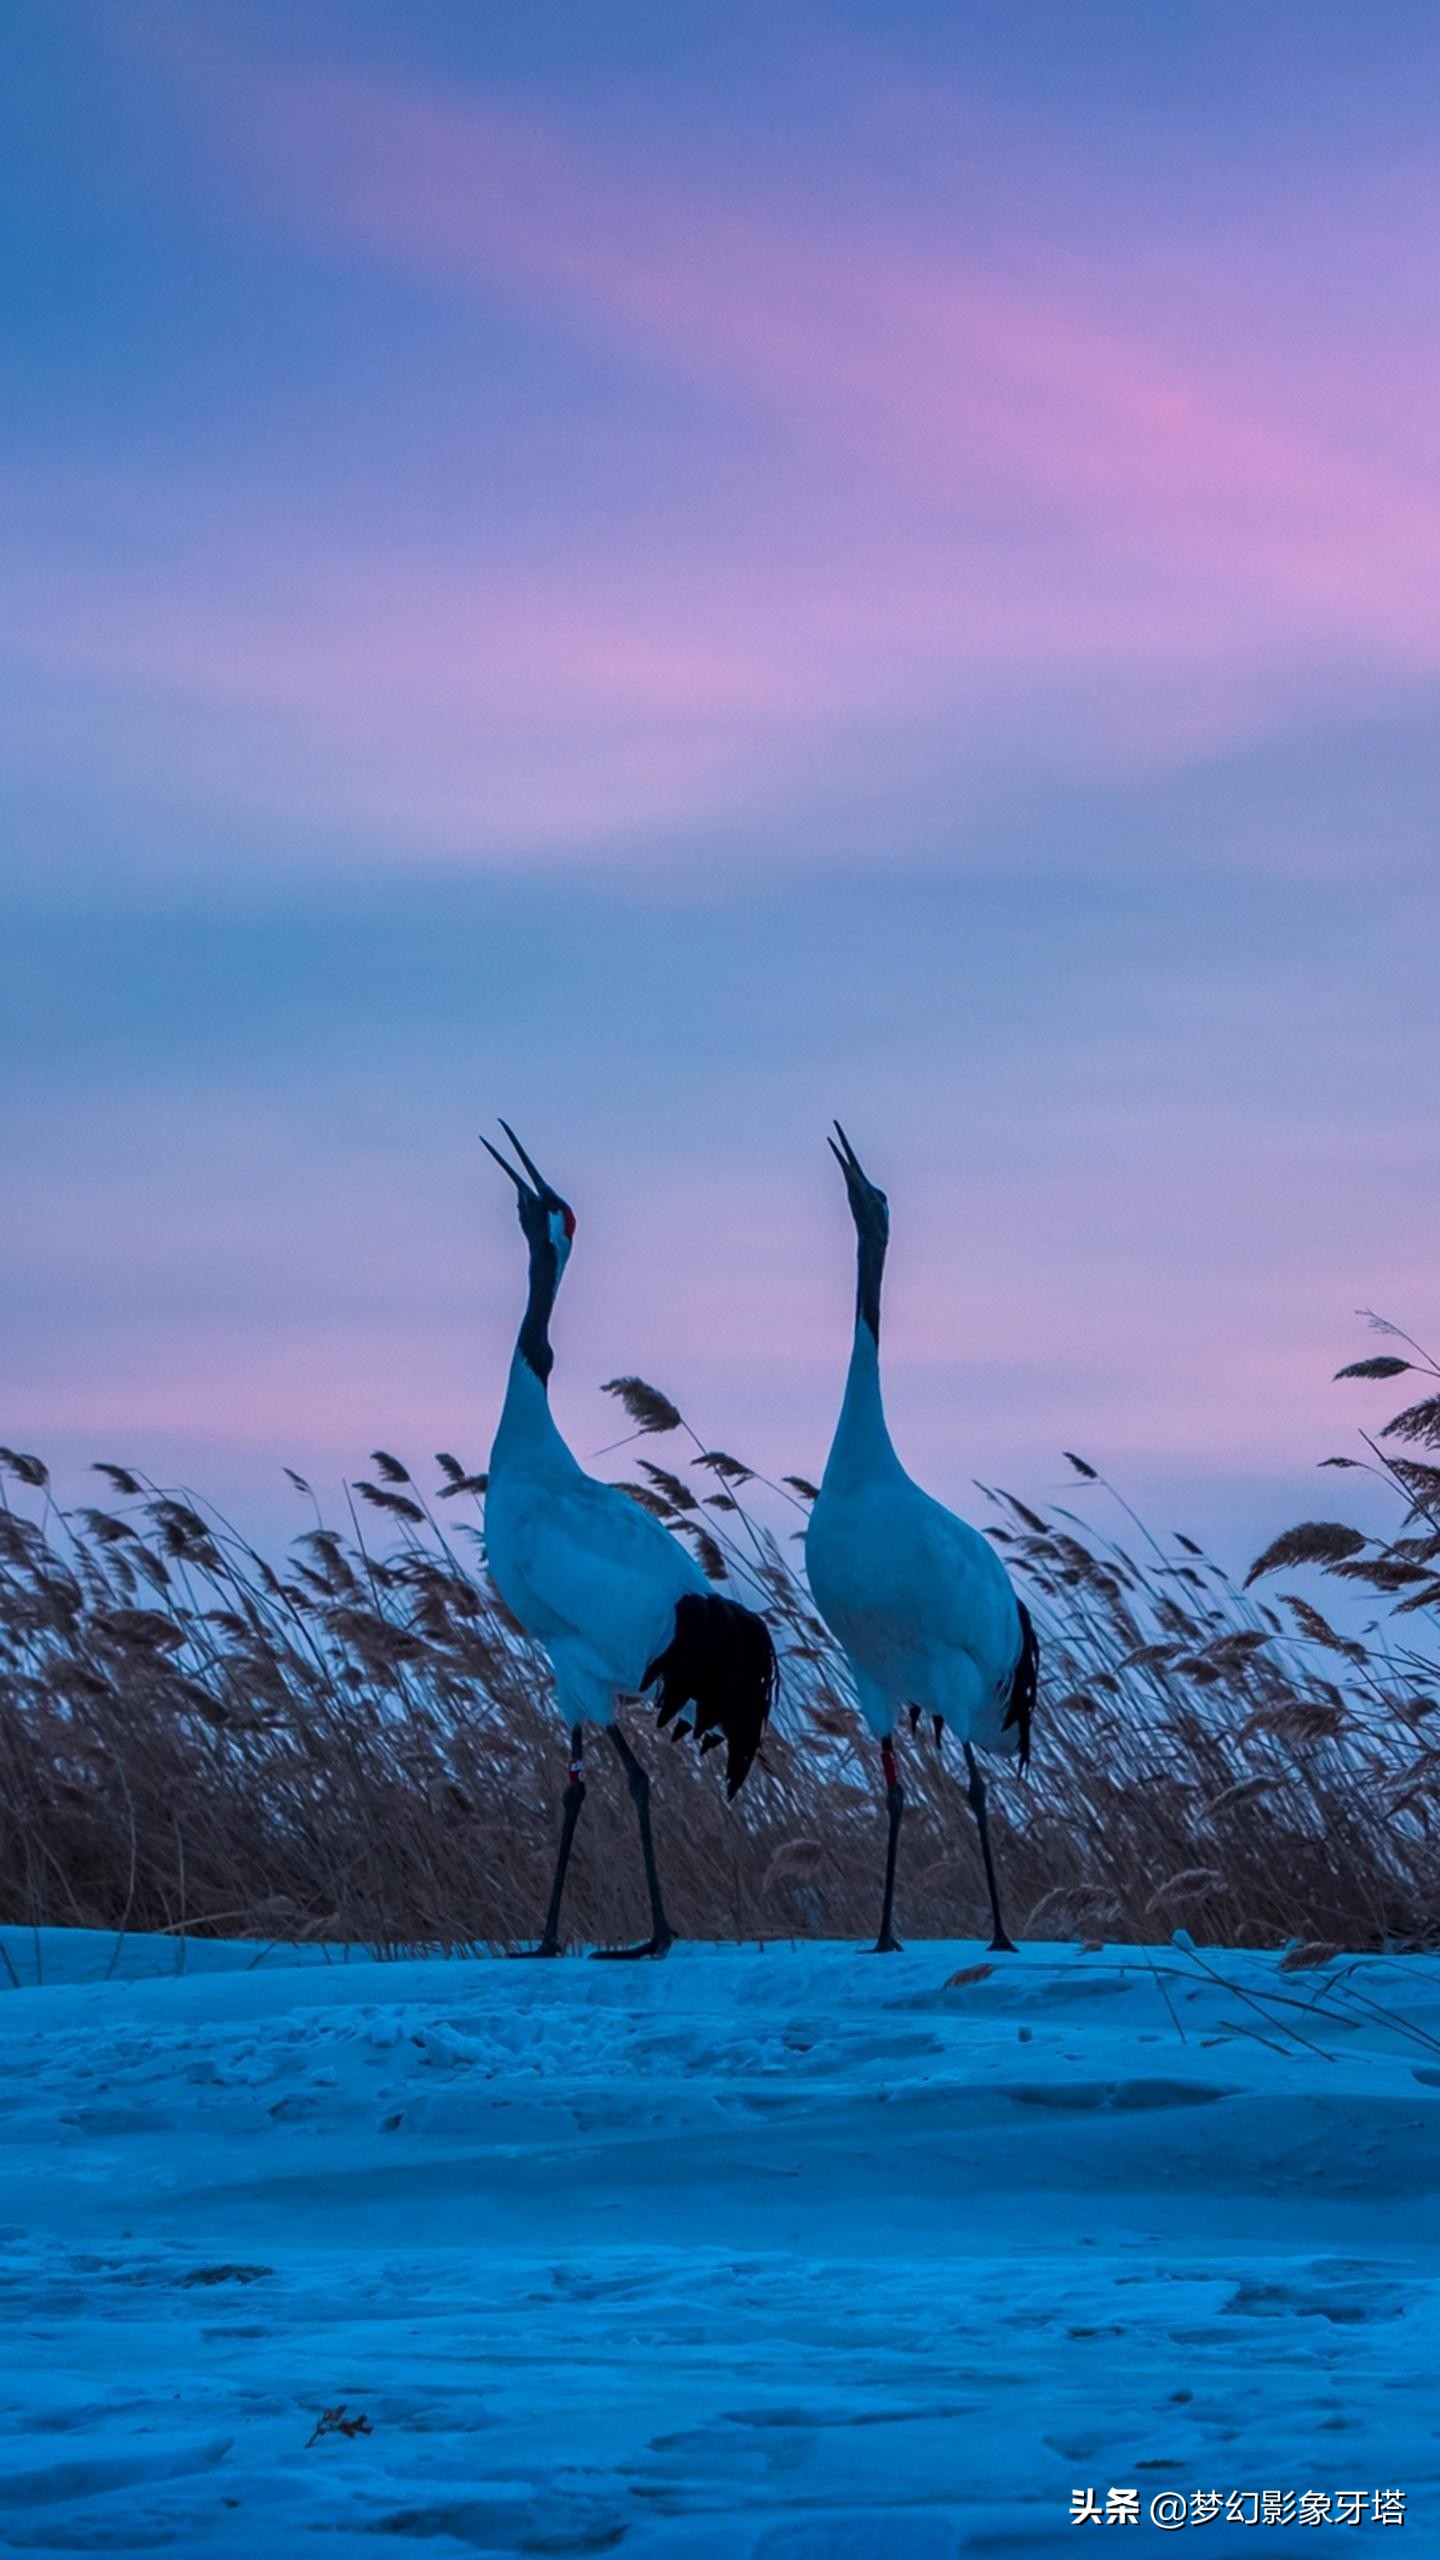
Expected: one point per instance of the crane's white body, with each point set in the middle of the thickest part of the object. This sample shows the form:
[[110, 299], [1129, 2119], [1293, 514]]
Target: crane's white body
[[589, 1574], [617, 1603], [917, 1599]]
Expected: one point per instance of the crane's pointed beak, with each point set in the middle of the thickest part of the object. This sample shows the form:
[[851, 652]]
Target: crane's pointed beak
[[546, 1189], [845, 1155], [500, 1160]]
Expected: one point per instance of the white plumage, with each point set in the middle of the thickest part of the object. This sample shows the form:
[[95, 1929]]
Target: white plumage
[[589, 1574], [919, 1601], [619, 1605]]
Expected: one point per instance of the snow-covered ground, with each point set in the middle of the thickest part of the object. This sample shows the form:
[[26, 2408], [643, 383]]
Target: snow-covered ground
[[784, 2253]]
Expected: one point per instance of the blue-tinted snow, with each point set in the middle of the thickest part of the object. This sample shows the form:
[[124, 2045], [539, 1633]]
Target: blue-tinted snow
[[782, 2254]]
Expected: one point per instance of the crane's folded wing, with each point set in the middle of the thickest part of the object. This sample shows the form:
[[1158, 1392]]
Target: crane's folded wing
[[919, 1598], [588, 1565]]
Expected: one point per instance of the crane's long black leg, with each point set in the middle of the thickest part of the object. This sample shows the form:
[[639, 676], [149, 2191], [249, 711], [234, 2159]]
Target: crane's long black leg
[[574, 1804], [887, 1944], [1000, 1944], [662, 1936]]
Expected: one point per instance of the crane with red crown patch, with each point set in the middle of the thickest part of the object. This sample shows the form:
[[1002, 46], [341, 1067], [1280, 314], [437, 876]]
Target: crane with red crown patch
[[618, 1605]]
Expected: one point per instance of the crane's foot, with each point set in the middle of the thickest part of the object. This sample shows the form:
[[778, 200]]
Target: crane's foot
[[547, 1947], [659, 1945], [888, 1945], [1000, 1945]]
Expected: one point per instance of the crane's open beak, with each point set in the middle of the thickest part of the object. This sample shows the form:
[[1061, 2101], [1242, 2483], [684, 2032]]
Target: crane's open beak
[[541, 1188], [848, 1161]]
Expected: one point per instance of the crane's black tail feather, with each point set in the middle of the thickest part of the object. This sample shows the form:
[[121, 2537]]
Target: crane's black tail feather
[[719, 1663], [1024, 1680]]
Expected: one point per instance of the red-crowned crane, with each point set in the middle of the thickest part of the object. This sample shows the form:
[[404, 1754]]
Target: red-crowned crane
[[619, 1606], [919, 1602]]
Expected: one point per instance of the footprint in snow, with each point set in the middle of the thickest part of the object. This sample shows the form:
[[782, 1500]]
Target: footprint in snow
[[1345, 2291], [51, 2483], [1130, 2096]]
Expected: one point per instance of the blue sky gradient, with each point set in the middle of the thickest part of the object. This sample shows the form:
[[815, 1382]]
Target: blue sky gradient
[[672, 573]]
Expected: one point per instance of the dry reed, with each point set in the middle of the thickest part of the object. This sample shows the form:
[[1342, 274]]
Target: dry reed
[[359, 1745]]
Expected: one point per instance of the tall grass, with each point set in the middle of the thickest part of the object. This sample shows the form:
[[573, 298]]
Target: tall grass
[[359, 1744]]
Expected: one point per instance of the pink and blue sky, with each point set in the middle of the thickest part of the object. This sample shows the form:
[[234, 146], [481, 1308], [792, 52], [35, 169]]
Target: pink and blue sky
[[670, 572]]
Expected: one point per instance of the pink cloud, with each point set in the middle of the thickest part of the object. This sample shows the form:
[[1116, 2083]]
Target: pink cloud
[[1003, 513], [1025, 1312], [220, 643], [903, 359]]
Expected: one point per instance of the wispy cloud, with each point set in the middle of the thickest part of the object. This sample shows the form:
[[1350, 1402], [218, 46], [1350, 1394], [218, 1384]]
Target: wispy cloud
[[890, 349], [940, 590], [951, 500]]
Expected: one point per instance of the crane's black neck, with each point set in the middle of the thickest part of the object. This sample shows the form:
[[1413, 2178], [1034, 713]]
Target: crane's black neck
[[870, 1266], [533, 1340]]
